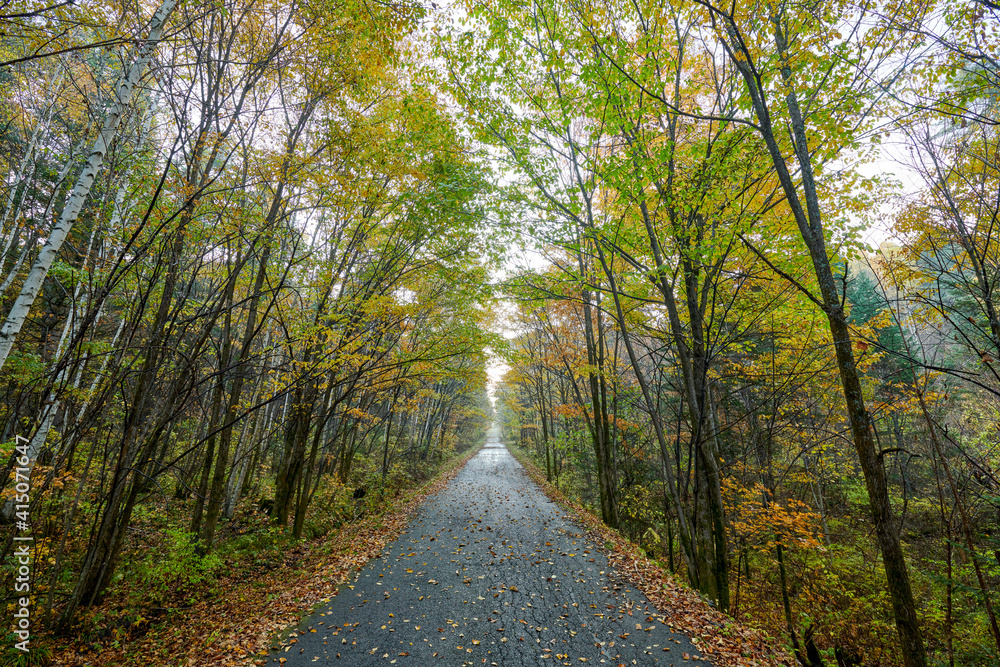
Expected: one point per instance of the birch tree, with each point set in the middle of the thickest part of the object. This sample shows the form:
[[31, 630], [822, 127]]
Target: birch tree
[[123, 95]]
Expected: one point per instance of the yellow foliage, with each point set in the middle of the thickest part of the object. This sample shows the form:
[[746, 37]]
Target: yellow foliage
[[763, 523]]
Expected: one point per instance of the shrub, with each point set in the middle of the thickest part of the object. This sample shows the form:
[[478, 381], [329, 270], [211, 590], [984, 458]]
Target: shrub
[[179, 566]]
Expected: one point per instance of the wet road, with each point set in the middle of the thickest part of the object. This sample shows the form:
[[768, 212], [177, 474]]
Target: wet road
[[488, 573]]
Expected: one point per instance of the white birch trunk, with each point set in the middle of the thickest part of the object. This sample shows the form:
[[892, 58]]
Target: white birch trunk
[[100, 373], [53, 404], [68, 332], [74, 203], [63, 175], [116, 217], [41, 128]]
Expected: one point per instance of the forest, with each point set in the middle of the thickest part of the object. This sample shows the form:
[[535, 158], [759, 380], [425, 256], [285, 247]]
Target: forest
[[739, 261]]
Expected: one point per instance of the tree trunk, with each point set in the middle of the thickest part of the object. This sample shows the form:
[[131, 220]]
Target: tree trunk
[[809, 220], [293, 458], [74, 204]]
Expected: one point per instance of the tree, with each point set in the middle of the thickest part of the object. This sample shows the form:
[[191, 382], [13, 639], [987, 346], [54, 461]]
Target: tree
[[74, 203], [748, 48]]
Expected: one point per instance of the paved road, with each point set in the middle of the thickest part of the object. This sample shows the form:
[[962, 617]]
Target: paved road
[[488, 573]]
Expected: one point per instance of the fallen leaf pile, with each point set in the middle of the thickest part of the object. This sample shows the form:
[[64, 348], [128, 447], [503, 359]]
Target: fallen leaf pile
[[236, 627], [721, 639]]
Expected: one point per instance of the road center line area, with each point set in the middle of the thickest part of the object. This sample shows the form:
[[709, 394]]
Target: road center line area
[[488, 573]]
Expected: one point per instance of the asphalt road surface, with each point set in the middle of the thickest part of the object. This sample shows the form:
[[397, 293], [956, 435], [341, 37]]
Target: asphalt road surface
[[488, 573]]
